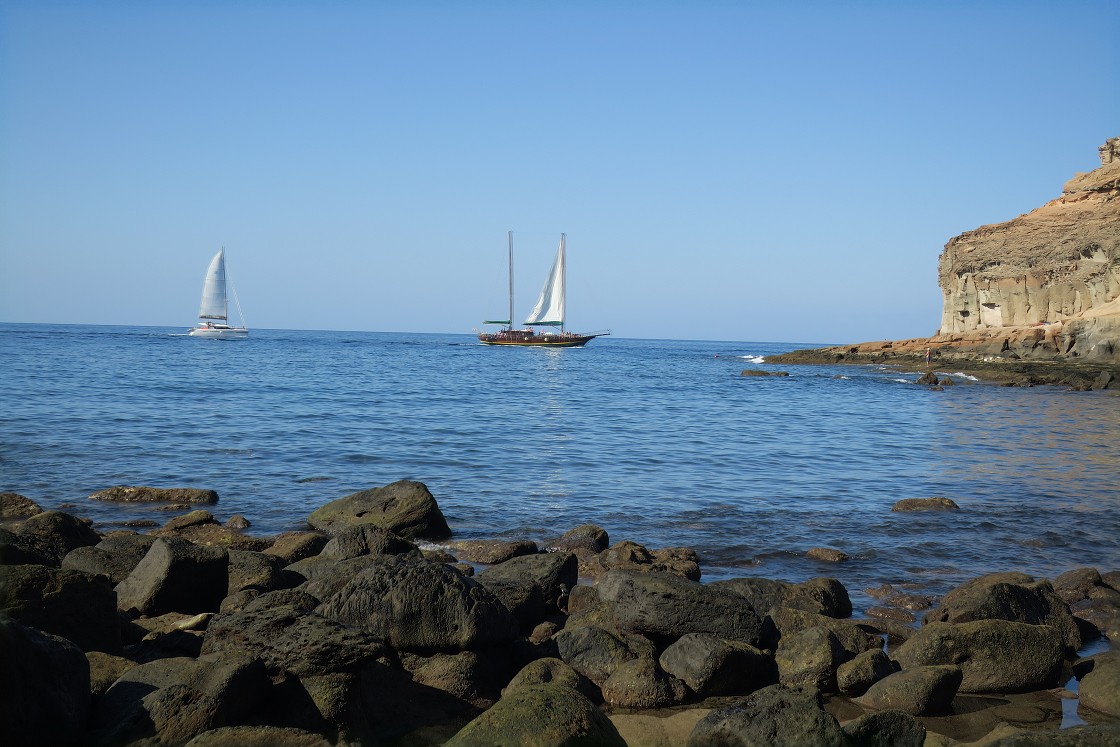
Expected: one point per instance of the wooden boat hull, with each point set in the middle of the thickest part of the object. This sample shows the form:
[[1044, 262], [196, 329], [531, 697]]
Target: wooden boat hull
[[528, 339]]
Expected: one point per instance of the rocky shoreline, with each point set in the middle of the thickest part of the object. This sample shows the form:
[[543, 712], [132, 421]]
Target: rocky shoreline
[[374, 626], [989, 362]]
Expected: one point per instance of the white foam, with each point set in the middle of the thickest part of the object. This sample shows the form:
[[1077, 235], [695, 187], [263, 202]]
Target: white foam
[[963, 375], [752, 358]]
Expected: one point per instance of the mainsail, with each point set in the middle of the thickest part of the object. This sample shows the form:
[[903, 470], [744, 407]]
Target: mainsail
[[214, 304], [549, 310]]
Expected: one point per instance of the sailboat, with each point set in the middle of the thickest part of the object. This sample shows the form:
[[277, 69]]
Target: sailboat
[[213, 311], [549, 312]]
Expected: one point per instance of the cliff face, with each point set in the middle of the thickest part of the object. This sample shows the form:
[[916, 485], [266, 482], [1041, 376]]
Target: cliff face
[[1049, 278]]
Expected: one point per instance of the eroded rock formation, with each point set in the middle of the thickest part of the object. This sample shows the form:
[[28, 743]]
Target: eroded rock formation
[[1054, 271]]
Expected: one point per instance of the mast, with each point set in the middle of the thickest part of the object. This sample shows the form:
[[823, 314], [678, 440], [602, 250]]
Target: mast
[[511, 280], [563, 282]]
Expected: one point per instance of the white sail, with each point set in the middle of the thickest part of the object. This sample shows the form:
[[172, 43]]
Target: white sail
[[214, 304], [550, 306]]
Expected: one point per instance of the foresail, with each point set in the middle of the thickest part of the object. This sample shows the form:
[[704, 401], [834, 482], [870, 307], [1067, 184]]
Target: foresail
[[550, 306], [214, 304]]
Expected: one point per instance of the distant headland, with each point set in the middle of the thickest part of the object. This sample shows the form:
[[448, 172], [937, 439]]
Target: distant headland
[[1035, 299]]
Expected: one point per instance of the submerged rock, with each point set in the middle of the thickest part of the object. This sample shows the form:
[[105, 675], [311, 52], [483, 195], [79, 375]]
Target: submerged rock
[[144, 494]]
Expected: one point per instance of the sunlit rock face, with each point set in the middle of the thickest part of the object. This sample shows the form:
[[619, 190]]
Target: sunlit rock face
[[1056, 268]]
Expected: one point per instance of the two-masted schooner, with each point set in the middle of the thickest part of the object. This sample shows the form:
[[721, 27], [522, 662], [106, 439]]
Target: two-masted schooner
[[549, 312]]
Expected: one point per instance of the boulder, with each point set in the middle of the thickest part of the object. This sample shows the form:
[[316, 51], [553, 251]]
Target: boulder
[[258, 736], [592, 651], [678, 561], [254, 570], [641, 683], [15, 507], [365, 539], [294, 546], [95, 561], [1099, 689], [75, 605], [474, 677], [53, 534], [937, 503], [994, 655], [1084, 735], [104, 670], [710, 665], [15, 550], [810, 657], [918, 690], [1073, 586], [46, 688], [1099, 614], [547, 577], [404, 507], [775, 716], [824, 596], [176, 576], [549, 715], [550, 671], [414, 604], [856, 676], [666, 606], [1008, 596], [827, 554], [885, 729], [167, 715], [491, 552], [280, 629], [851, 636], [200, 527], [590, 537], [144, 494]]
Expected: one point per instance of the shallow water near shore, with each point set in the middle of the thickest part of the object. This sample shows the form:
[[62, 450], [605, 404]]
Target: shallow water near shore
[[660, 442]]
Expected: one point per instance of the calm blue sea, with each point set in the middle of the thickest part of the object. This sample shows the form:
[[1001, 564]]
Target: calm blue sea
[[659, 441]]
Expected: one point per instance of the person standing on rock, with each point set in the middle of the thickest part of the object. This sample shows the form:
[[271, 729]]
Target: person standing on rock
[[928, 353]]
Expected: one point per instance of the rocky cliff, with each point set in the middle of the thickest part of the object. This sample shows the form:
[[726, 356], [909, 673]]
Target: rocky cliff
[[1044, 284]]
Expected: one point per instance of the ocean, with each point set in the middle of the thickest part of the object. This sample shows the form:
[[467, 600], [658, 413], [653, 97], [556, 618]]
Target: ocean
[[661, 442]]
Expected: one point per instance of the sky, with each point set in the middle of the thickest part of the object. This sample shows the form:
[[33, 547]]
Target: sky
[[755, 171]]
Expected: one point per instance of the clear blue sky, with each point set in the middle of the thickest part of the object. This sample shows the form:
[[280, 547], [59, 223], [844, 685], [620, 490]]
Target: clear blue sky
[[724, 170]]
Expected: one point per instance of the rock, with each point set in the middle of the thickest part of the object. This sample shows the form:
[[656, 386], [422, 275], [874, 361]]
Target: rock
[[856, 676], [885, 729], [589, 537], [852, 638], [634, 557], [641, 683], [95, 561], [201, 528], [994, 655], [550, 671], [295, 546], [810, 657], [75, 605], [258, 736], [491, 552], [712, 666], [827, 554], [1008, 596], [918, 690], [1099, 690], [823, 596], [53, 534], [891, 613], [474, 677], [237, 523], [46, 688], [404, 507], [14, 507], [15, 550], [927, 379], [1100, 612], [668, 607], [553, 575], [167, 715], [540, 716], [104, 670], [143, 494], [778, 716], [592, 651], [176, 576], [414, 604], [937, 503], [280, 629], [365, 539], [1073, 586], [254, 570]]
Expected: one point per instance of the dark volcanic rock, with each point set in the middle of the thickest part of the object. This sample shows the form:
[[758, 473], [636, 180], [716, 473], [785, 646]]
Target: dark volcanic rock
[[53, 534], [824, 596], [937, 503], [710, 665], [365, 539], [1100, 687], [591, 537], [630, 556], [917, 691], [668, 606], [853, 638], [551, 575], [46, 688], [994, 655], [15, 550], [777, 715], [540, 716], [295, 546], [810, 657], [72, 604], [144, 494], [1008, 596], [641, 683], [491, 552], [856, 676], [176, 576], [254, 570], [414, 604], [14, 507], [258, 736], [592, 651], [885, 729], [404, 507]]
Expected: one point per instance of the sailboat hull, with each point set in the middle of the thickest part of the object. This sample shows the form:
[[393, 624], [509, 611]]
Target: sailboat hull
[[220, 333], [529, 338]]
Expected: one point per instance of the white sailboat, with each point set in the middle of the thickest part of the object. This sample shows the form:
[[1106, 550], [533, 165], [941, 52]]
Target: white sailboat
[[213, 311], [548, 312]]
